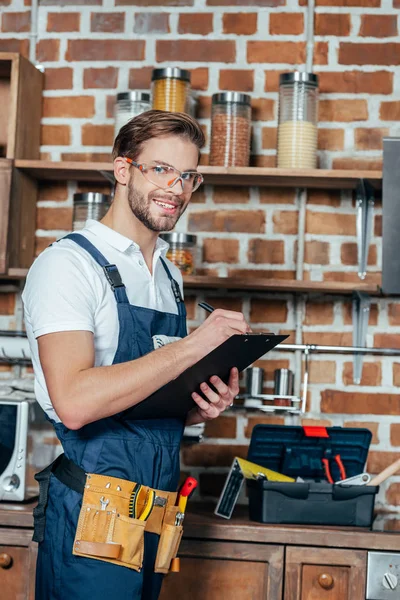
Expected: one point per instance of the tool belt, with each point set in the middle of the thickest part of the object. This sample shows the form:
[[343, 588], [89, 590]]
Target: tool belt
[[114, 515]]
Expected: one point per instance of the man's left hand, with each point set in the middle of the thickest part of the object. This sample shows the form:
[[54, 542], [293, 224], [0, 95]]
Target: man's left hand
[[218, 400]]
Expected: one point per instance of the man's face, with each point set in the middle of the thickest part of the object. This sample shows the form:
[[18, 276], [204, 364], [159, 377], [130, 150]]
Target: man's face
[[159, 209]]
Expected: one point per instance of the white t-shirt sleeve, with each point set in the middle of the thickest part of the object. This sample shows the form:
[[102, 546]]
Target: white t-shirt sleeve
[[60, 293]]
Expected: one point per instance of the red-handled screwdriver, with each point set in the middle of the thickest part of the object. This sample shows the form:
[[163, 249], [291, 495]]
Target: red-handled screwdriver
[[185, 492]]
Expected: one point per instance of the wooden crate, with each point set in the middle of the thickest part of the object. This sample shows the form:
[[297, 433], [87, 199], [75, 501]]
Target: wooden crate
[[21, 87]]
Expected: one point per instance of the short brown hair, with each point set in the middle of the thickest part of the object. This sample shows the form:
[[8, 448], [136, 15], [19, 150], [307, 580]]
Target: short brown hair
[[153, 124]]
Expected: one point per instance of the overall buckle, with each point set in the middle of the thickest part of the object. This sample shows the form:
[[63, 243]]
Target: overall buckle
[[113, 276]]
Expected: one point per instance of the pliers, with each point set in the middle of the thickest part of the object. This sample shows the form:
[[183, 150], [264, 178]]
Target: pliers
[[338, 461]]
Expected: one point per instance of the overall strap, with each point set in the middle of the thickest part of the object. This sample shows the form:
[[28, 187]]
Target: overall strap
[[175, 289], [111, 272]]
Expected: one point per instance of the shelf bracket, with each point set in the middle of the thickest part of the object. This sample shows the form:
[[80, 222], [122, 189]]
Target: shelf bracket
[[365, 201], [361, 308]]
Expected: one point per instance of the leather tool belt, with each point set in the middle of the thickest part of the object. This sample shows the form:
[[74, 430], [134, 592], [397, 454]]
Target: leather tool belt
[[114, 515]]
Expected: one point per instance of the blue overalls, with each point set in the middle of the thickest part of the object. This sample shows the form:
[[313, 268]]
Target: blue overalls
[[145, 451]]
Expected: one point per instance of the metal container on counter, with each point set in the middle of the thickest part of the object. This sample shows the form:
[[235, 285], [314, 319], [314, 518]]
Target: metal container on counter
[[182, 251], [230, 129], [90, 205], [129, 105], [297, 120], [283, 386], [171, 89], [254, 386]]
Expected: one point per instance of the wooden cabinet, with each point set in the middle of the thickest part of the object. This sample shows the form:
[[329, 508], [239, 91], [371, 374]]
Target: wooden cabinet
[[324, 574], [214, 570], [17, 564]]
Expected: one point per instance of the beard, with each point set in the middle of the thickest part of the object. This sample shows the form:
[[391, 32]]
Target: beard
[[141, 208]]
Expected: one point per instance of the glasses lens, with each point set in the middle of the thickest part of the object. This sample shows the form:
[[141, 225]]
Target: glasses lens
[[165, 176]]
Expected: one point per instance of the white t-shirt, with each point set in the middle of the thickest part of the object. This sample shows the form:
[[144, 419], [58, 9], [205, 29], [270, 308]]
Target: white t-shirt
[[66, 290]]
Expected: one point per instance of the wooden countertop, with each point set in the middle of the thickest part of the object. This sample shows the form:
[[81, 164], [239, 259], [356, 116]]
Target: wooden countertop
[[201, 523]]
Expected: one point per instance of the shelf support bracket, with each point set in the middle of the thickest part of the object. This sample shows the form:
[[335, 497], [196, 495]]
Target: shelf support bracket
[[365, 201], [361, 309]]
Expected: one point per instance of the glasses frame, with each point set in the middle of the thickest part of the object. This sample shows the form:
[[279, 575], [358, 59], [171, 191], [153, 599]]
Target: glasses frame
[[141, 167]]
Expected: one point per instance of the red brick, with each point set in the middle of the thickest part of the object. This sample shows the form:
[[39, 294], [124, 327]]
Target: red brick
[[330, 139], [327, 338], [54, 218], [394, 314], [390, 111], [112, 22], [285, 221], [393, 494], [395, 434], [316, 423], [97, 135], [13, 45], [269, 137], [269, 52], [212, 455], [41, 243], [106, 78], [366, 3], [196, 50], [387, 340], [356, 82], [16, 22], [317, 253], [272, 80], [50, 190], [69, 106], [151, 23], [286, 24], [266, 251], [55, 135], [200, 23], [108, 50], [239, 23], [277, 195], [251, 221], [343, 110], [263, 109], [321, 371], [378, 226], [262, 160], [162, 3], [199, 78], [332, 24], [335, 401], [387, 53], [228, 194], [226, 303], [223, 427], [320, 223], [373, 427], [370, 138], [318, 313], [371, 374], [61, 22], [48, 50], [253, 421], [7, 303], [378, 26], [378, 461], [348, 254], [268, 311], [348, 314], [361, 164], [237, 80], [58, 79], [217, 250], [319, 197], [140, 79], [86, 156], [246, 2]]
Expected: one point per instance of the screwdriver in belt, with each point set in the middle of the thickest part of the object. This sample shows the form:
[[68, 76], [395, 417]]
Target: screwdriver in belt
[[184, 493]]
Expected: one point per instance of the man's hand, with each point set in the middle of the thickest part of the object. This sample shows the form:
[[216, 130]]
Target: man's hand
[[217, 401]]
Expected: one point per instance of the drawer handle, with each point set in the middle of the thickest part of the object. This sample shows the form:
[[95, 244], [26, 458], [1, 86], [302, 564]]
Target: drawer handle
[[325, 581], [5, 560]]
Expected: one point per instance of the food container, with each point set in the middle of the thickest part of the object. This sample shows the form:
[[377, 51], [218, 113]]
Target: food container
[[254, 387], [129, 105], [182, 251], [91, 205], [297, 121], [171, 89], [283, 386], [230, 129]]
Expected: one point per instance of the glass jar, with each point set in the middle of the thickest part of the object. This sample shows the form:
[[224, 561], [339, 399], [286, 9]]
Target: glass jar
[[90, 205], [230, 129], [171, 89], [298, 120], [182, 251], [129, 105]]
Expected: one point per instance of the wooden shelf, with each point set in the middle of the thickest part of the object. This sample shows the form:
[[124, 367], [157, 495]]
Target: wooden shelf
[[204, 282], [255, 176]]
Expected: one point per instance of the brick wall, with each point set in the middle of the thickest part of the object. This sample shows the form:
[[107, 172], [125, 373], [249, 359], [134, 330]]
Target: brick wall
[[93, 50]]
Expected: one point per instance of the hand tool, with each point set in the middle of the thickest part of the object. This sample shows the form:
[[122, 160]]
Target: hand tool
[[148, 507], [133, 501], [361, 479], [104, 502], [342, 470], [185, 492]]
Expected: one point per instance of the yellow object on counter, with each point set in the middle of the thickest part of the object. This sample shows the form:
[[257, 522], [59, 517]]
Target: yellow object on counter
[[170, 88]]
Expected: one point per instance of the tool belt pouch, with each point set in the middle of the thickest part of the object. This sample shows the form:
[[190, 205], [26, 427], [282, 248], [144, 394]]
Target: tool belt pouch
[[170, 539], [105, 531]]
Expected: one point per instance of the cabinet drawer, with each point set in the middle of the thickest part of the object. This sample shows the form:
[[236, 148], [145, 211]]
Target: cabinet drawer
[[14, 572]]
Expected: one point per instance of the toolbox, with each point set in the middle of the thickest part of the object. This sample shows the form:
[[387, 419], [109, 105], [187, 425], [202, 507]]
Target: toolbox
[[316, 455]]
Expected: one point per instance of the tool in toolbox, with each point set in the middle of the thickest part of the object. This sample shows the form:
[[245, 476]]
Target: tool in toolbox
[[367, 479], [361, 479], [149, 502], [338, 460]]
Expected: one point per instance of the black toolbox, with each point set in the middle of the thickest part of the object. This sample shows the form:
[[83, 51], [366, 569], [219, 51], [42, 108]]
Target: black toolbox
[[299, 452]]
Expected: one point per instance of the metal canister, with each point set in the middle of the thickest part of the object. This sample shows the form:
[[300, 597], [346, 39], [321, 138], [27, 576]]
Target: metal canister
[[254, 381], [89, 205], [182, 251], [171, 89], [129, 105], [230, 129], [283, 386]]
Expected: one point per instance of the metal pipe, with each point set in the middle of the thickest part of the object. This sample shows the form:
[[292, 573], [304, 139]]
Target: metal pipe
[[339, 349], [310, 36], [34, 31]]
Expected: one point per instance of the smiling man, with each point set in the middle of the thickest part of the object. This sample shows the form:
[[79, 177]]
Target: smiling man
[[95, 302]]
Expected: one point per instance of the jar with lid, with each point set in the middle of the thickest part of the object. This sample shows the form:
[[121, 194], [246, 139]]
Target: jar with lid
[[298, 120], [129, 105], [182, 251], [230, 129], [90, 205], [171, 89]]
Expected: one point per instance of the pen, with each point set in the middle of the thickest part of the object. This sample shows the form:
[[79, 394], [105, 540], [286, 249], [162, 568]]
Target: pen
[[206, 306]]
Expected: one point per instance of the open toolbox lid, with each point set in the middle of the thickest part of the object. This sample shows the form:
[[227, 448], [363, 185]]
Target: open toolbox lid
[[298, 451]]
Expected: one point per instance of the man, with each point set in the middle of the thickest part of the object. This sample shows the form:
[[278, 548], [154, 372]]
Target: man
[[94, 302]]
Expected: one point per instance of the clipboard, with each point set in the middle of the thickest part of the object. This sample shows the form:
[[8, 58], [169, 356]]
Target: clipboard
[[174, 399]]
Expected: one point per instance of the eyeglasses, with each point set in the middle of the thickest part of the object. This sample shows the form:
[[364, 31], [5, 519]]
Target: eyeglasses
[[165, 176]]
